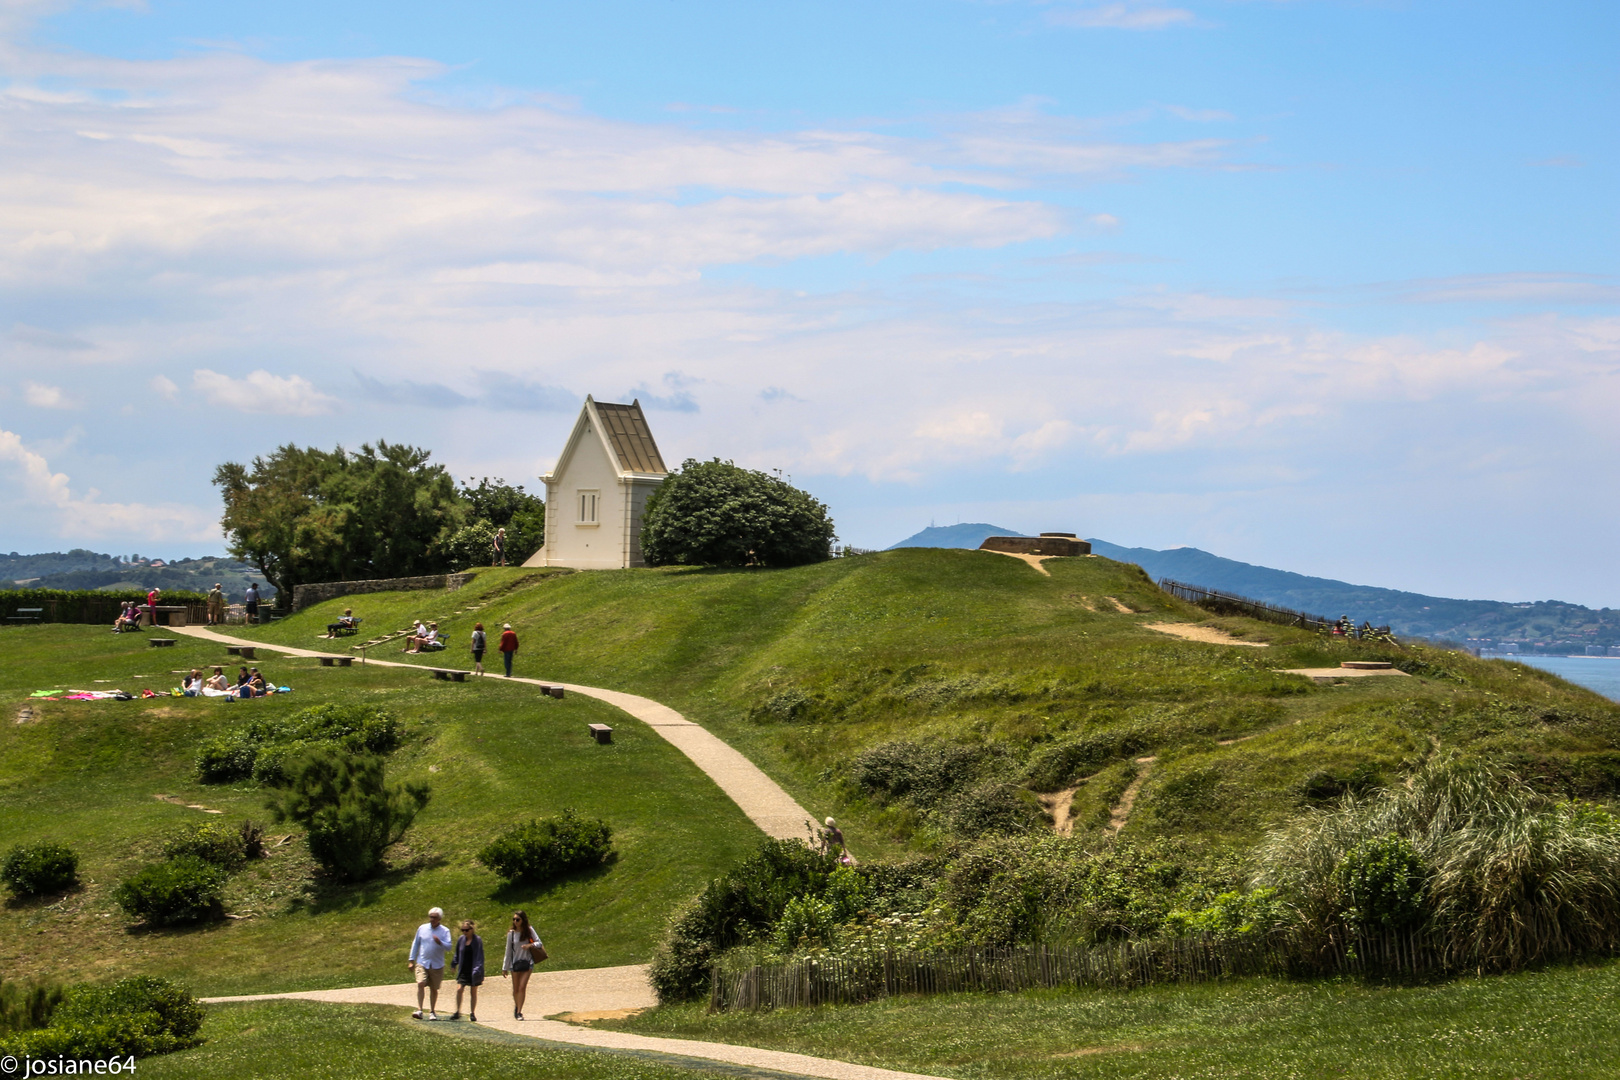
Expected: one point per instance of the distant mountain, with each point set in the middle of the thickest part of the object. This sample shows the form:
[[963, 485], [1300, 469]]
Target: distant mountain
[[81, 569], [1545, 626], [967, 535]]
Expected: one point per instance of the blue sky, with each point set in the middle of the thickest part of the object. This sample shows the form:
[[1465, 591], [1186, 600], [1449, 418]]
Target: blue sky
[[1326, 286]]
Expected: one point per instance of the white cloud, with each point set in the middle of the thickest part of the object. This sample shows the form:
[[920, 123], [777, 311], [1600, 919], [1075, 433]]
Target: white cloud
[[262, 392], [164, 387], [42, 396], [1128, 15], [87, 518]]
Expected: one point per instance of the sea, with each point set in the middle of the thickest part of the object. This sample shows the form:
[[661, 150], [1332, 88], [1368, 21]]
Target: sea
[[1600, 673]]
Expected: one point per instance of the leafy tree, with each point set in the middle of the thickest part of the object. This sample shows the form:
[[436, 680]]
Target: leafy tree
[[497, 505], [353, 815], [717, 514], [304, 515]]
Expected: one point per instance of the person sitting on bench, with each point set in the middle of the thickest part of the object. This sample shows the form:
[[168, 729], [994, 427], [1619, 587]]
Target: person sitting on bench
[[128, 619], [427, 638], [346, 622]]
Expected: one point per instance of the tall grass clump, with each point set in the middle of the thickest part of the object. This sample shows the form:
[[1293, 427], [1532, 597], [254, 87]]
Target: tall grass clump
[[1497, 875]]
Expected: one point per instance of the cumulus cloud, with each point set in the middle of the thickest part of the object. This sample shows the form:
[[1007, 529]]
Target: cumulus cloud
[[262, 392], [42, 396], [1128, 15], [87, 517]]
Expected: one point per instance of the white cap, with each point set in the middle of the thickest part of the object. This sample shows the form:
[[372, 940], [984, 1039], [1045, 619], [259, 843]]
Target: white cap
[[831, 824], [506, 626]]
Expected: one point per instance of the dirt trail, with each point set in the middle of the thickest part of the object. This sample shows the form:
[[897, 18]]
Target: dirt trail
[[1127, 800], [1119, 606], [1060, 804], [1207, 634], [1033, 560]]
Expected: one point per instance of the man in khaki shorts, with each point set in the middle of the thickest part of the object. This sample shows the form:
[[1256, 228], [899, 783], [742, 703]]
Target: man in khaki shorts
[[427, 961]]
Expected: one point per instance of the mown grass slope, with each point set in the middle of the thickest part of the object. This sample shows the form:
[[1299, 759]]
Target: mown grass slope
[[88, 774], [1011, 679]]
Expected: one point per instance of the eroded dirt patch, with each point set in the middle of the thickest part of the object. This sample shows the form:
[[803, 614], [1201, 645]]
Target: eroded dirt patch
[[598, 1014], [1207, 634], [1060, 806]]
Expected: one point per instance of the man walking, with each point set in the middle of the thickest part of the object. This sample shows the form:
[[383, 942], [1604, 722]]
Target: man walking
[[509, 645], [152, 599], [216, 605], [500, 547], [427, 961], [251, 601]]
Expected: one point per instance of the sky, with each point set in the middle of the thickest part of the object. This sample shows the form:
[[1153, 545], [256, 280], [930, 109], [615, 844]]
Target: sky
[[1327, 286]]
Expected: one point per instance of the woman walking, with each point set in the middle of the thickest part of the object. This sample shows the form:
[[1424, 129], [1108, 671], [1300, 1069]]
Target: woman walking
[[509, 645], [523, 951], [478, 643], [469, 965]]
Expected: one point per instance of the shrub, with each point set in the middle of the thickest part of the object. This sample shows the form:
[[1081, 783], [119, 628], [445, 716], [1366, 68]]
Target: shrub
[[1382, 881], [38, 869], [1512, 878], [22, 1010], [992, 808], [806, 922], [138, 1016], [543, 849], [353, 815], [739, 907], [215, 843], [922, 773], [261, 747], [713, 513], [182, 890], [1230, 915]]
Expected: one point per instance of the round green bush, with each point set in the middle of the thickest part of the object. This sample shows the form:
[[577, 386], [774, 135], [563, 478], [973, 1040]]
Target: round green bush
[[183, 890], [213, 842], [138, 1016], [226, 758], [543, 849], [1382, 881], [39, 869]]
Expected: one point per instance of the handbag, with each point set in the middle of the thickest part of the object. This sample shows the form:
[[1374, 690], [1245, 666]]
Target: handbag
[[537, 951]]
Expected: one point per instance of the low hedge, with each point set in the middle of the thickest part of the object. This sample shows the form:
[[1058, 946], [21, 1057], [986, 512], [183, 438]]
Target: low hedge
[[85, 605], [38, 869], [136, 1017], [184, 889]]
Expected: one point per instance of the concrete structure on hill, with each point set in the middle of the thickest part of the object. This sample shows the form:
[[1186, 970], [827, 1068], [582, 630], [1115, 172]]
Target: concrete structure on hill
[[598, 491], [1044, 544]]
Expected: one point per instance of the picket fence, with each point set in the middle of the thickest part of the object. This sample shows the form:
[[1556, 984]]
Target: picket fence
[[1115, 965]]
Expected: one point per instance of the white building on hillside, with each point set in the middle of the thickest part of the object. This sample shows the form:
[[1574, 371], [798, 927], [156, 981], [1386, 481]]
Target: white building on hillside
[[596, 493]]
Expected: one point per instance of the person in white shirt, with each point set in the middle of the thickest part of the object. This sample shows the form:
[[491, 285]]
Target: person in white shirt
[[427, 961]]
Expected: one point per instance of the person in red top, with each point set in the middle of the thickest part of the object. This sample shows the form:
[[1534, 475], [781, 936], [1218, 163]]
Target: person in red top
[[152, 599], [508, 647]]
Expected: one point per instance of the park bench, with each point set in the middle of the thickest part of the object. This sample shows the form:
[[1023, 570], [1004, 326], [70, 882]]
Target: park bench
[[161, 642], [26, 614], [246, 652], [554, 691], [601, 733], [339, 630], [450, 674], [168, 614], [340, 661]]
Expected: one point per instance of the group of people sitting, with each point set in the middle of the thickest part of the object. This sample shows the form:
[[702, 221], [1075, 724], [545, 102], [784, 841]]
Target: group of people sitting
[[128, 619], [249, 684], [424, 637]]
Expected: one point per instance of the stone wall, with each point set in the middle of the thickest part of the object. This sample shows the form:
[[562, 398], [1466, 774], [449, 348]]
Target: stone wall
[[1044, 544], [306, 595]]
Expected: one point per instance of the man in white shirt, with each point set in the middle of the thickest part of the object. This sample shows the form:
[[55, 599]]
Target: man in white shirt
[[427, 961]]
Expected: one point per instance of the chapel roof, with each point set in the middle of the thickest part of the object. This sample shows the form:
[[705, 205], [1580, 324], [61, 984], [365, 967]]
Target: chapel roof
[[627, 431]]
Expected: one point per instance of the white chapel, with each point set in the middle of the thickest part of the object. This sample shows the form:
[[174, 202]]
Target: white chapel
[[598, 490]]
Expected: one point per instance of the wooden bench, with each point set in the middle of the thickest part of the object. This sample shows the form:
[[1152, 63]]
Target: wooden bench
[[340, 661], [246, 652], [161, 642], [601, 733], [26, 614], [449, 673]]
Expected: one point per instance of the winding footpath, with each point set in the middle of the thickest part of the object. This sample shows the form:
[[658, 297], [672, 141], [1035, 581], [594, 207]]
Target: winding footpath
[[615, 989]]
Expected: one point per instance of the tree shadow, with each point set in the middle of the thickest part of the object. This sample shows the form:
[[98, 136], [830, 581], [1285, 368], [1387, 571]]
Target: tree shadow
[[326, 894], [42, 900], [517, 893]]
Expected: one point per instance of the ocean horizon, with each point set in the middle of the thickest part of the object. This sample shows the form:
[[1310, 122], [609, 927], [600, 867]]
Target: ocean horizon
[[1598, 673]]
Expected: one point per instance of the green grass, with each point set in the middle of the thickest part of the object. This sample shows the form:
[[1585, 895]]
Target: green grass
[[301, 1040], [1553, 1023], [804, 668], [87, 773]]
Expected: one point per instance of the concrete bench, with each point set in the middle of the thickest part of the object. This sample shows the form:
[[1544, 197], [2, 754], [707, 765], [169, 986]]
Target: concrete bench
[[340, 661], [161, 642], [26, 614], [449, 673], [553, 691], [601, 733], [246, 652]]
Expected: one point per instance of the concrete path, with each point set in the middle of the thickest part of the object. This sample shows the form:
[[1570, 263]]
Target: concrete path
[[587, 991], [757, 795]]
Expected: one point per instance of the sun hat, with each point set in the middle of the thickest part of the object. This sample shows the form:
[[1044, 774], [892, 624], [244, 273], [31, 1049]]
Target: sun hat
[[506, 626]]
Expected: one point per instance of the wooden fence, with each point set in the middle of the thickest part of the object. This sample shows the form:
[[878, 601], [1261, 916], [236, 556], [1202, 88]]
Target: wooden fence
[[1116, 965], [1228, 604]]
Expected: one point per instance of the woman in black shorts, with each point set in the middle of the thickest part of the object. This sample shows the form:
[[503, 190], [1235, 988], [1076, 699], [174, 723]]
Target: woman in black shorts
[[478, 643], [523, 948]]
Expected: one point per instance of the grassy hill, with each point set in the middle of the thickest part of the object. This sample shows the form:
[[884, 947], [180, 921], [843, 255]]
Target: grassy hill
[[975, 668], [90, 774]]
